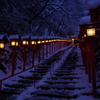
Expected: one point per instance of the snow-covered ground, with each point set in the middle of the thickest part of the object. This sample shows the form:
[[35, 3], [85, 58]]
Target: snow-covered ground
[[80, 72]]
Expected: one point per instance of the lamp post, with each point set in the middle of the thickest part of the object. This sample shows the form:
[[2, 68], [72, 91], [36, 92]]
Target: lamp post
[[72, 40], [46, 41], [25, 43], [52, 46], [33, 43], [2, 46], [14, 44], [90, 40], [39, 51], [43, 49]]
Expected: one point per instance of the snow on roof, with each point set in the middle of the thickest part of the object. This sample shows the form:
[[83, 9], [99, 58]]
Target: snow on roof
[[34, 37], [86, 12], [4, 36], [73, 35], [25, 37], [84, 20], [91, 4], [14, 37]]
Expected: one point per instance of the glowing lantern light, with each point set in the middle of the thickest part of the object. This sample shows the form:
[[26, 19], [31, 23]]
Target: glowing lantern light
[[2, 45], [32, 42], [91, 32], [39, 42]]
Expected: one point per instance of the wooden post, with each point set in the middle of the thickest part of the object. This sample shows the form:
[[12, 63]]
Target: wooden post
[[13, 60], [60, 44], [24, 63], [39, 53], [33, 56], [89, 62], [47, 50], [43, 51], [85, 58], [93, 70], [52, 47]]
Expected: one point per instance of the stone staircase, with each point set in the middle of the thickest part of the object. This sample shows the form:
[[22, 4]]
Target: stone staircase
[[23, 82], [66, 83], [63, 84]]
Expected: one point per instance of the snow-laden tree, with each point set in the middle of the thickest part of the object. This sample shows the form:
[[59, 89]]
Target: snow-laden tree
[[40, 17]]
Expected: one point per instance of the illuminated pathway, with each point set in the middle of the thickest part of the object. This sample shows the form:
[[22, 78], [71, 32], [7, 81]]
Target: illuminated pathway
[[69, 82]]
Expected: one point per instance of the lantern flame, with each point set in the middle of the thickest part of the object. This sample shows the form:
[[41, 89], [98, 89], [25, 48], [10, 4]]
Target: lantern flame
[[91, 32], [1, 45]]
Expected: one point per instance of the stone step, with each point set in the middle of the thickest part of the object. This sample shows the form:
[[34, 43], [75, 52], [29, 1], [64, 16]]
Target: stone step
[[58, 82], [60, 88], [54, 94], [26, 81], [8, 92], [39, 71], [31, 77], [17, 86]]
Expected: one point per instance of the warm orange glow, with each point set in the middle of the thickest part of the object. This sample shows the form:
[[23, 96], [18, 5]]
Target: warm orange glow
[[39, 42], [32, 42], [91, 32], [1, 45], [16, 43], [13, 43], [46, 41], [25, 42], [84, 35], [43, 41], [58, 39], [50, 40]]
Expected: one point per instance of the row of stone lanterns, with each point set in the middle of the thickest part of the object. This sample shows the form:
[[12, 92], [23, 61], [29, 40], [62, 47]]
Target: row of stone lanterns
[[26, 41], [89, 34], [17, 41], [87, 48]]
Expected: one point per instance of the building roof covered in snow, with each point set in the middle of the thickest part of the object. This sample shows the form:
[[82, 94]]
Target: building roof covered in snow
[[14, 37], [85, 20], [92, 4], [4, 37]]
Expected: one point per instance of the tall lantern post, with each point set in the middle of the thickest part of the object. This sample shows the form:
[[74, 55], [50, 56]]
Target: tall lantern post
[[46, 42], [50, 45], [43, 48], [2, 46], [3, 40], [33, 44], [90, 39], [39, 42], [14, 44], [25, 44]]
